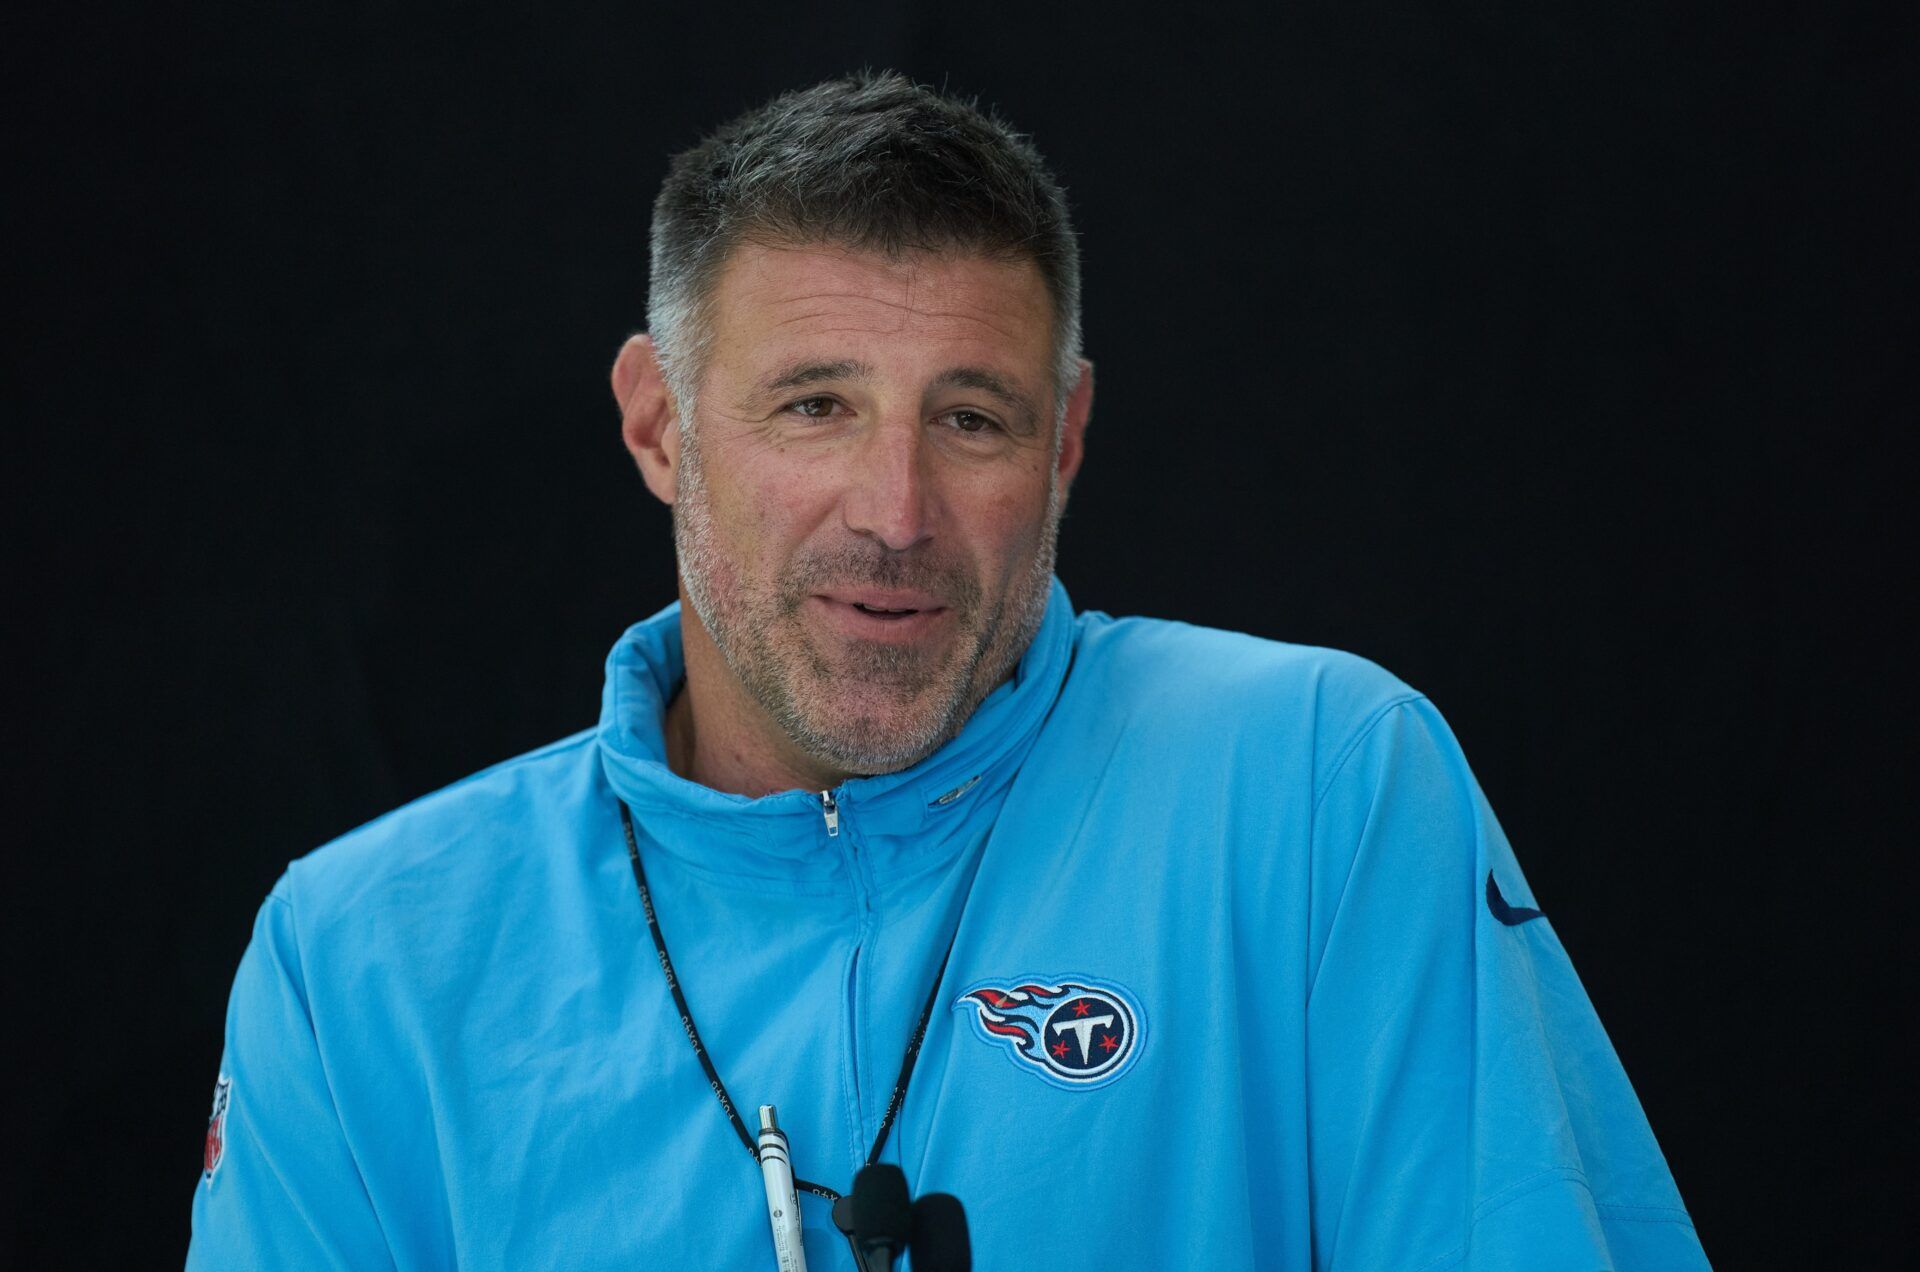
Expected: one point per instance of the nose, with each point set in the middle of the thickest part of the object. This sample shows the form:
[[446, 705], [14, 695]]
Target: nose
[[887, 491]]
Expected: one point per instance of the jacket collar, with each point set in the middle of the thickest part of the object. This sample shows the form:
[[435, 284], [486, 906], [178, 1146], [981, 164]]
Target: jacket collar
[[898, 821]]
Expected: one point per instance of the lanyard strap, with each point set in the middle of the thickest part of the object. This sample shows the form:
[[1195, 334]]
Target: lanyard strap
[[894, 1102]]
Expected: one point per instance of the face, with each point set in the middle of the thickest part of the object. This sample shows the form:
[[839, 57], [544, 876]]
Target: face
[[867, 499]]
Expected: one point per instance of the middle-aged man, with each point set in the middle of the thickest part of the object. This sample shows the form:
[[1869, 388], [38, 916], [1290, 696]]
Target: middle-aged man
[[1220, 956]]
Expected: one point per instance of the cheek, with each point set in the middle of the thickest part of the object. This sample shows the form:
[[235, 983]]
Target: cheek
[[766, 515], [1005, 523]]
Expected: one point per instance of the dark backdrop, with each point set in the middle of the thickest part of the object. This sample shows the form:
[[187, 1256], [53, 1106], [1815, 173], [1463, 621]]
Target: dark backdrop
[[1548, 357]]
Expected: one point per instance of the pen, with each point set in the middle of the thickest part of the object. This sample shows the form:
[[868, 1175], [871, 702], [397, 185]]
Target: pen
[[783, 1206]]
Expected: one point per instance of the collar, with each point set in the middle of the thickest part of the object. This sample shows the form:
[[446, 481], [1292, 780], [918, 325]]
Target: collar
[[899, 822]]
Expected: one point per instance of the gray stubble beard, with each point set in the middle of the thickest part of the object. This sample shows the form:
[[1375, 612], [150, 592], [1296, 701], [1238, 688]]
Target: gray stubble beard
[[862, 746]]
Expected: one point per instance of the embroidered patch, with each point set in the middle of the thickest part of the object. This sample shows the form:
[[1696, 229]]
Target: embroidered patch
[[1073, 1032], [216, 1147]]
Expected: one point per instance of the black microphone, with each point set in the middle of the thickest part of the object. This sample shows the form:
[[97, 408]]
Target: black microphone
[[882, 1216], [940, 1241]]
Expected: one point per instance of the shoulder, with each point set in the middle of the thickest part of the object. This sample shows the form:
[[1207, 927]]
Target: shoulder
[[463, 837], [1233, 688]]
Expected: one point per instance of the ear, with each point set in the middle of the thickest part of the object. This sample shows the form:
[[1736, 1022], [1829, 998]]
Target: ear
[[1073, 428], [649, 418]]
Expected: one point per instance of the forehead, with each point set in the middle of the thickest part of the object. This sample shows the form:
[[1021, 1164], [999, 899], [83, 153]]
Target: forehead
[[776, 303]]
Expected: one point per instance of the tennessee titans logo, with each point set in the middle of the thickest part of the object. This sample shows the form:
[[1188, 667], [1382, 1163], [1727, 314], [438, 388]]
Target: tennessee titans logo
[[1075, 1033]]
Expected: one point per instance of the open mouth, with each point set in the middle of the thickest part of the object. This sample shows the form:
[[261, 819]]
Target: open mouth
[[899, 616]]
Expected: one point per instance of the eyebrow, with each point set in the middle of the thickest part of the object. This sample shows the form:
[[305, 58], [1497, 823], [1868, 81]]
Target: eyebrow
[[802, 374], [990, 383]]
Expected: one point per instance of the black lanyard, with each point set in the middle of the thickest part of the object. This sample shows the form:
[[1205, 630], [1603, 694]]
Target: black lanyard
[[706, 1062]]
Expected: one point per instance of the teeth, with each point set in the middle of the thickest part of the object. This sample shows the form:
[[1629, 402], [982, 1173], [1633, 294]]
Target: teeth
[[874, 609]]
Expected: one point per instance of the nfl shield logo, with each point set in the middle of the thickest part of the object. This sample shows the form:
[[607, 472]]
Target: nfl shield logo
[[216, 1149]]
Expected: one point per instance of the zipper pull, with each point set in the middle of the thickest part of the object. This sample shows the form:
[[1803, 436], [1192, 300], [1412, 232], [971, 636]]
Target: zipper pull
[[830, 810]]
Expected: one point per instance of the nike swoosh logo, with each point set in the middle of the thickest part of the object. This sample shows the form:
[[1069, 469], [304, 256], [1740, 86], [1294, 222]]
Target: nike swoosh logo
[[1511, 915]]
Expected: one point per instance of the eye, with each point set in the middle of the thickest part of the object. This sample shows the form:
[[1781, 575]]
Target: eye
[[813, 408], [971, 421]]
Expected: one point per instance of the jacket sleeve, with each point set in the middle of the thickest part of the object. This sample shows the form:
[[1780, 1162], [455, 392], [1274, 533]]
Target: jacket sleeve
[[280, 1188], [1465, 1107]]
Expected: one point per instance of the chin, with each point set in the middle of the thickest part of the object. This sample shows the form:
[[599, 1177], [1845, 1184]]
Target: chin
[[882, 742]]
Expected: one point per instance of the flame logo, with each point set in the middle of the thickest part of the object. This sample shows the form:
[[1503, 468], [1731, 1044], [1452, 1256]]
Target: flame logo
[[1074, 1032]]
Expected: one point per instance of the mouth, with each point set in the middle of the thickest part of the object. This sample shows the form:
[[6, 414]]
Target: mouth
[[877, 615]]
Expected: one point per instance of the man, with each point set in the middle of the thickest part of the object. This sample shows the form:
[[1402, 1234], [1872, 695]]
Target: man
[[1218, 956]]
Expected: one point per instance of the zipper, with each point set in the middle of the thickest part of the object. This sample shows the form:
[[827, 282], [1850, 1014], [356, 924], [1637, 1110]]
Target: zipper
[[957, 791], [856, 959]]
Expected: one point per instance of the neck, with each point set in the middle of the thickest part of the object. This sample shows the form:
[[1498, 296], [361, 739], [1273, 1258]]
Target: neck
[[718, 736]]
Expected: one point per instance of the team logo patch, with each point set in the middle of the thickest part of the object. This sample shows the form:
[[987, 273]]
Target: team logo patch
[[1075, 1033], [216, 1149]]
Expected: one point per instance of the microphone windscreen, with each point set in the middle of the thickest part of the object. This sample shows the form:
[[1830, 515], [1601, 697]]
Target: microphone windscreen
[[882, 1214], [940, 1242]]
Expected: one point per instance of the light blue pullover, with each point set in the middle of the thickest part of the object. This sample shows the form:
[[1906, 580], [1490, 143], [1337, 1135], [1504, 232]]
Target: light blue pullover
[[1335, 1035]]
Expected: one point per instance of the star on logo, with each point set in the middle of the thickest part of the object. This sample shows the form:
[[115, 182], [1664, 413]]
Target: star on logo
[[1107, 1043], [1059, 1048], [1081, 1008]]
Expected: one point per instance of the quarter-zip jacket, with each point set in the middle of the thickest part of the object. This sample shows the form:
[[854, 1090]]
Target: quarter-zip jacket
[[1243, 975]]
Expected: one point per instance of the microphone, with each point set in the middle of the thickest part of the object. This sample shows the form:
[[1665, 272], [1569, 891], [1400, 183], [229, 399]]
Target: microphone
[[940, 1242], [882, 1216]]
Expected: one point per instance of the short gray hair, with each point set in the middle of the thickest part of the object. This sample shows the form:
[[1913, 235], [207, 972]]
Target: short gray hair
[[871, 161]]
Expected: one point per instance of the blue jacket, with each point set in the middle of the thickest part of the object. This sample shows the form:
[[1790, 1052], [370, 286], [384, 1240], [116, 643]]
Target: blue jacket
[[1243, 975]]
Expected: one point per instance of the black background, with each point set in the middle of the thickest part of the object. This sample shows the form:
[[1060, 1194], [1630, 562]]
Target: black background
[[1552, 357]]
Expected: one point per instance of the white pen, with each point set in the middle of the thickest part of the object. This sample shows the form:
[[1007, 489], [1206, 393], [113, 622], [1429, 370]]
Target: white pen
[[783, 1205]]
